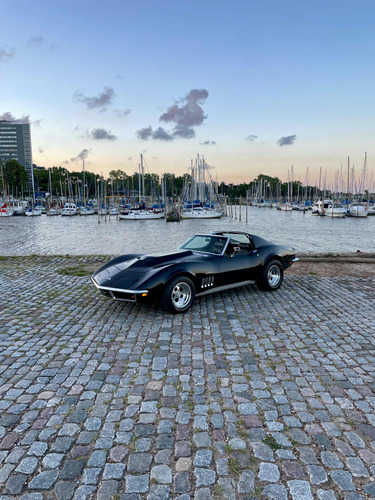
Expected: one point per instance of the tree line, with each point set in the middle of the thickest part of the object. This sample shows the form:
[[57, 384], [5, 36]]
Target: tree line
[[57, 180]]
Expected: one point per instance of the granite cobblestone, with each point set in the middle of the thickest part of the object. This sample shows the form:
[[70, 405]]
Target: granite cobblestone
[[248, 395]]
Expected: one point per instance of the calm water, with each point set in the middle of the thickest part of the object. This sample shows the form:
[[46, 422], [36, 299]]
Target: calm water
[[84, 235]]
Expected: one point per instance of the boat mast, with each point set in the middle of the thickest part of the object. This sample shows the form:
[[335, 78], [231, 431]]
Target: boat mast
[[291, 187], [347, 187], [143, 179]]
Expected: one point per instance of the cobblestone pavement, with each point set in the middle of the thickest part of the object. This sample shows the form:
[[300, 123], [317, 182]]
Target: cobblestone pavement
[[249, 395]]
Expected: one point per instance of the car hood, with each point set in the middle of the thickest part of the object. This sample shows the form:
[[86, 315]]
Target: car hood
[[133, 268], [145, 262]]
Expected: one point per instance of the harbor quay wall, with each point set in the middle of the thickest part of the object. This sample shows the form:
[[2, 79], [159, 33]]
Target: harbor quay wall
[[249, 395]]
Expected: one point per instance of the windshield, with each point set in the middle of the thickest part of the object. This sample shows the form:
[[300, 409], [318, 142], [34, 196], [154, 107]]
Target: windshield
[[206, 244]]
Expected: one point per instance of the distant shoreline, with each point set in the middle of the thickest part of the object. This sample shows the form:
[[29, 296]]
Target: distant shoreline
[[345, 257]]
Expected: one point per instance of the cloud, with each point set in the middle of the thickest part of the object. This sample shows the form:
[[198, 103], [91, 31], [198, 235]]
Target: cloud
[[121, 112], [158, 134], [103, 100], [7, 116], [81, 156], [185, 114], [251, 138], [189, 114], [207, 143], [184, 132], [144, 133], [287, 141], [6, 54], [36, 40], [101, 133], [162, 135]]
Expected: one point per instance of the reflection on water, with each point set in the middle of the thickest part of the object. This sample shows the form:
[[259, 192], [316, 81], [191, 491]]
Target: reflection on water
[[84, 235]]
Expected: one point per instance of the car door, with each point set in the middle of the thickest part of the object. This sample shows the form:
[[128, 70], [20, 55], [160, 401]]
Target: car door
[[241, 262]]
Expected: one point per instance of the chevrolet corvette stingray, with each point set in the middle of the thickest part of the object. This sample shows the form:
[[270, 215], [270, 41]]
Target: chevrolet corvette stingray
[[205, 263]]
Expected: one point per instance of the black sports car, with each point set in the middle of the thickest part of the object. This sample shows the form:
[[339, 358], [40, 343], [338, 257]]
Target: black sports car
[[205, 263]]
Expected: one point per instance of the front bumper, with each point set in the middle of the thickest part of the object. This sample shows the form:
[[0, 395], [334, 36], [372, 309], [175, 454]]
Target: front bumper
[[120, 294]]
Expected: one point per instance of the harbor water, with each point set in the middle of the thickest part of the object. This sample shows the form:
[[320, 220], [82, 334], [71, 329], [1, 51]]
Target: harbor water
[[84, 235]]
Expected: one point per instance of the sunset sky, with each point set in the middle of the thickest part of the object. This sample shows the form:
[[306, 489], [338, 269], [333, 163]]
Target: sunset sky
[[253, 86]]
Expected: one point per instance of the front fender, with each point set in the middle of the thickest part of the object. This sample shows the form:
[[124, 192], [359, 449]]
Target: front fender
[[161, 277]]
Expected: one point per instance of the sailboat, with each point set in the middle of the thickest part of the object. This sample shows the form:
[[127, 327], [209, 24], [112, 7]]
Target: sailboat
[[69, 209], [358, 208], [141, 212], [202, 192], [335, 210], [51, 210], [5, 211], [288, 205], [33, 211]]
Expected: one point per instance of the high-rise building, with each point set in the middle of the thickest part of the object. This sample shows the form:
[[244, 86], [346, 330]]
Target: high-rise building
[[15, 144]]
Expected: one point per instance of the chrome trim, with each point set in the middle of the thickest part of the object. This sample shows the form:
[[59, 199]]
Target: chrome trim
[[110, 289], [226, 287]]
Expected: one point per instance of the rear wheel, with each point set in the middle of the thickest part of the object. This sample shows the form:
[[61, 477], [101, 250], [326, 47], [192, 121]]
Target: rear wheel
[[178, 295], [272, 276]]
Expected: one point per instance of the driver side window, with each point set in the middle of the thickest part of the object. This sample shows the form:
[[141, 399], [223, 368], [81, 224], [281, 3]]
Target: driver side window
[[243, 246]]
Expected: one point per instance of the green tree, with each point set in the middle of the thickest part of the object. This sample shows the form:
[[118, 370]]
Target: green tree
[[41, 179], [15, 175]]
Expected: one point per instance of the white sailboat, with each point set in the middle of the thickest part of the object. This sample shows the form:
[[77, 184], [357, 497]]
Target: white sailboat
[[201, 213], [288, 205], [141, 212], [358, 210], [203, 192], [5, 211], [87, 210], [335, 210], [51, 210], [33, 211], [69, 209]]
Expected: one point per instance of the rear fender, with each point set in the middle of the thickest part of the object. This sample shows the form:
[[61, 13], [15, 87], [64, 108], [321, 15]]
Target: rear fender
[[268, 254], [285, 260]]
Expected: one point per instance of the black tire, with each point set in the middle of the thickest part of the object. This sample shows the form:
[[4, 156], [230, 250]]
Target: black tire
[[178, 295], [271, 277]]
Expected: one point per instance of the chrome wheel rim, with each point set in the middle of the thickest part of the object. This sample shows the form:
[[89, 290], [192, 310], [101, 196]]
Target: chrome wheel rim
[[273, 275], [181, 295]]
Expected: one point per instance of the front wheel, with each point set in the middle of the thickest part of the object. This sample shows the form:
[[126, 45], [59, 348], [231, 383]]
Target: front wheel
[[272, 276], [178, 295]]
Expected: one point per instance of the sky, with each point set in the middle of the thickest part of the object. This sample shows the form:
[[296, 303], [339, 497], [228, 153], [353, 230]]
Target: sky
[[253, 86]]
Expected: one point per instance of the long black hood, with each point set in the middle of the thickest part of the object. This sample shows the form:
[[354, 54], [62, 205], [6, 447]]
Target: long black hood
[[131, 267]]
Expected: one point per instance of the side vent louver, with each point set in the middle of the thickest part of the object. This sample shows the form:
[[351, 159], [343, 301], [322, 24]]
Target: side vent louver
[[206, 282]]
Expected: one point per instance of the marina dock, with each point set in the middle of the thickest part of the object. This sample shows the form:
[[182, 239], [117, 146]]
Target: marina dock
[[249, 395]]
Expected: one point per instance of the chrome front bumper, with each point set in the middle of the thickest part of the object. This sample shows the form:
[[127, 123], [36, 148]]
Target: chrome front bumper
[[120, 294]]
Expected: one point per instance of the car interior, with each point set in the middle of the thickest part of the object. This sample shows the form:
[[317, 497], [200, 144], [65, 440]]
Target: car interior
[[241, 248]]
